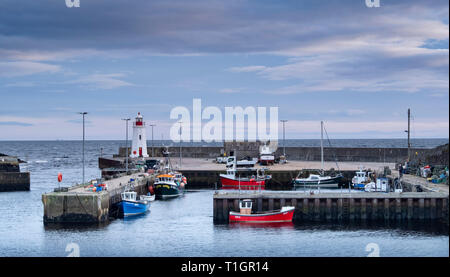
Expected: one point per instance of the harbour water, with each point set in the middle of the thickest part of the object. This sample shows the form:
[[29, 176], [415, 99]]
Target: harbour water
[[179, 227]]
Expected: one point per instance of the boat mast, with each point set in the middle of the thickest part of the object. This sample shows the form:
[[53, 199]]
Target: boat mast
[[321, 144]]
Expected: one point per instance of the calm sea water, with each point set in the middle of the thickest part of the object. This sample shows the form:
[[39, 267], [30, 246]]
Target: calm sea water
[[183, 226]]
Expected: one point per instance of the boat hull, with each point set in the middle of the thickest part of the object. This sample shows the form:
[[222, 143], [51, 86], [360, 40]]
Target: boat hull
[[229, 183], [274, 217], [130, 208], [166, 191], [332, 182]]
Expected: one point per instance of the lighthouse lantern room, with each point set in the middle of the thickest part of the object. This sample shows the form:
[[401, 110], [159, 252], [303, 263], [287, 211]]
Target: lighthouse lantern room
[[139, 145]]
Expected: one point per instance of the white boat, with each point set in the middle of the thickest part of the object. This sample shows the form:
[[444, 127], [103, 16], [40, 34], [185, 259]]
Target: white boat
[[148, 197], [381, 185], [361, 179], [266, 156], [319, 181]]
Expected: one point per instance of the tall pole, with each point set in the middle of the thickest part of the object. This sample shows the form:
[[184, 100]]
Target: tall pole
[[321, 144], [153, 153], [126, 142], [180, 143], [284, 138], [409, 132], [83, 114]]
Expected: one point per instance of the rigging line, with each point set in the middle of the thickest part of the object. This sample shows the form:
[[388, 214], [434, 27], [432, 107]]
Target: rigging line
[[334, 154]]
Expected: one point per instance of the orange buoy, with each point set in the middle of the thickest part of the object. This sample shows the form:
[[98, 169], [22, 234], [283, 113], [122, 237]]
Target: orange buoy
[[59, 177]]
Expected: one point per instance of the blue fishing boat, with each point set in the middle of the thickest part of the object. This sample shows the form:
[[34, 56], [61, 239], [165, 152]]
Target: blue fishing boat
[[130, 206]]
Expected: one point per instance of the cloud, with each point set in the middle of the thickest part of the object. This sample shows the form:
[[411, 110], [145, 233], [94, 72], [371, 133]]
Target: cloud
[[22, 68], [101, 81], [15, 123], [253, 68], [230, 90]]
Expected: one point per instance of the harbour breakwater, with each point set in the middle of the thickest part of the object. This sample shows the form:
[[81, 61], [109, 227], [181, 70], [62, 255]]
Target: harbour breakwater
[[11, 179], [342, 154]]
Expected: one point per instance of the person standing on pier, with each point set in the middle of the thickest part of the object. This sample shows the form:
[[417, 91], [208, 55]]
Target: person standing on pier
[[400, 171]]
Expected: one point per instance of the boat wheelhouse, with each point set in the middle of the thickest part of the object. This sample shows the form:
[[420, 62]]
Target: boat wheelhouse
[[130, 206], [361, 179]]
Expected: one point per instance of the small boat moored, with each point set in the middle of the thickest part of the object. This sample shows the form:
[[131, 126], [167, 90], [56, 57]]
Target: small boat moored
[[319, 181], [130, 206], [244, 178], [362, 178], [168, 186], [169, 183], [149, 197], [245, 215], [266, 156]]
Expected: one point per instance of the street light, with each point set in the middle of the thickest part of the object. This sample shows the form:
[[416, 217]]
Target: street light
[[83, 114], [284, 141], [152, 125], [126, 141], [180, 142]]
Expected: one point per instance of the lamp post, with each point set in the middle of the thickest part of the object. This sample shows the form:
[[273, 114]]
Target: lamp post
[[284, 141], [126, 141], [83, 114], [409, 133], [180, 143], [153, 153]]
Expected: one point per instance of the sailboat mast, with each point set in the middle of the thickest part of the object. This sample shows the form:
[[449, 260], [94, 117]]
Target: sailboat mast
[[321, 143]]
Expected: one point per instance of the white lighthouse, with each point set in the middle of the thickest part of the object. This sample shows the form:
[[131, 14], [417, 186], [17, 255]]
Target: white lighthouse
[[139, 145]]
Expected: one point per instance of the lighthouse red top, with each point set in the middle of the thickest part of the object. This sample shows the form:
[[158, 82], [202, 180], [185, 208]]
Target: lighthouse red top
[[139, 120]]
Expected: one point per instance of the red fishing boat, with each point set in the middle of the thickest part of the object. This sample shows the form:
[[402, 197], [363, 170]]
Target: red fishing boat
[[285, 214], [244, 178]]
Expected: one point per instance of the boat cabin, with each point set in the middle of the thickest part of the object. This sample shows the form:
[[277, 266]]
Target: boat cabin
[[245, 206], [248, 173], [129, 196], [164, 178]]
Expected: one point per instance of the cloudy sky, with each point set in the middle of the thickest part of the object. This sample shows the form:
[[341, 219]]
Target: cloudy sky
[[357, 68]]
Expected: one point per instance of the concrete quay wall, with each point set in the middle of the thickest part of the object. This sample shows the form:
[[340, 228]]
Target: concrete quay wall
[[79, 206], [14, 181], [350, 207]]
